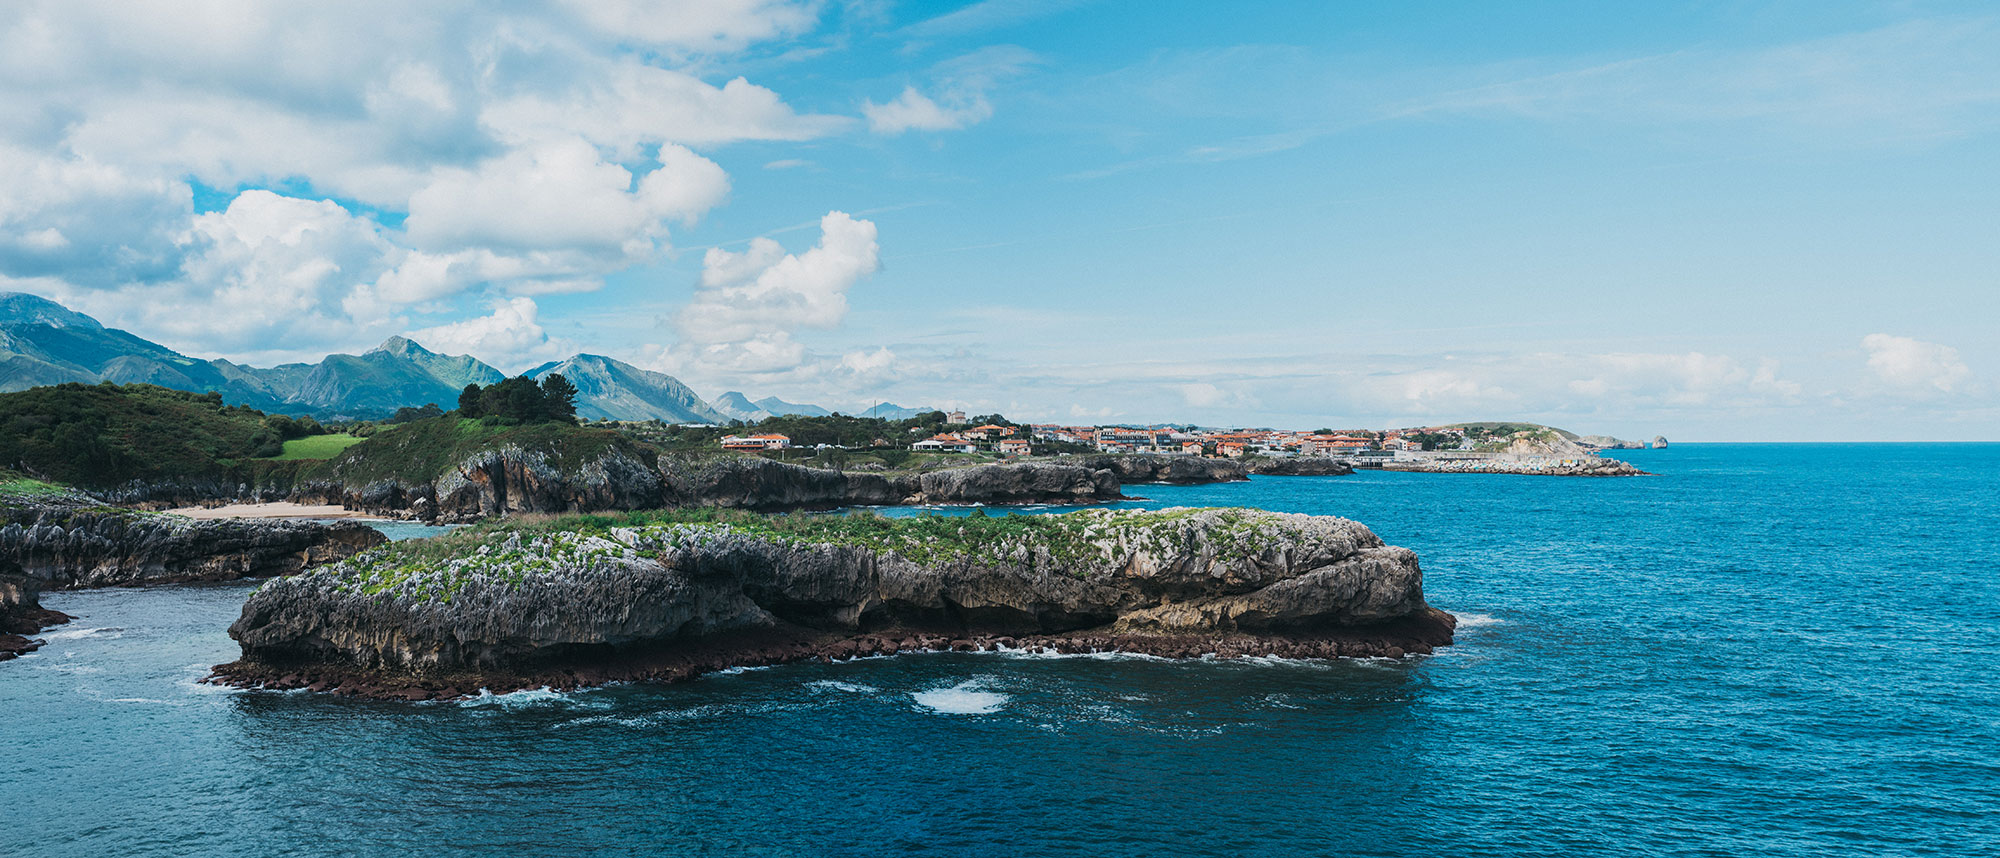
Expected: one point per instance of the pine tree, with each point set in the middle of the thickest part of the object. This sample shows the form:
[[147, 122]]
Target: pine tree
[[469, 404], [558, 397]]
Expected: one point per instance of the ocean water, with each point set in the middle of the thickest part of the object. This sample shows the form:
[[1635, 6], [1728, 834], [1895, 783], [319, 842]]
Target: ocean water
[[1765, 650]]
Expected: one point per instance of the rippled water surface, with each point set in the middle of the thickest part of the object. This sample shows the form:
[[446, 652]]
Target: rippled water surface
[[1768, 649]]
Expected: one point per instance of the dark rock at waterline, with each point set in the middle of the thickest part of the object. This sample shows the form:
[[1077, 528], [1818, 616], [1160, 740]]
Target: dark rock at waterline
[[1301, 466], [1025, 482], [755, 483], [673, 601], [1155, 468], [21, 614], [69, 544]]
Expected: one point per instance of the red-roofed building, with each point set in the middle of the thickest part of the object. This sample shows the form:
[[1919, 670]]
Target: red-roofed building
[[756, 442]]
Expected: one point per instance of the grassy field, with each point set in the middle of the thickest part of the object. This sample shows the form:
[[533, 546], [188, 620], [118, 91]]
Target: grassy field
[[316, 447], [13, 485]]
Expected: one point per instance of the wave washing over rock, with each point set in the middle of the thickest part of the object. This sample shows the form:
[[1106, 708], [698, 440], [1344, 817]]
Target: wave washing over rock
[[669, 596]]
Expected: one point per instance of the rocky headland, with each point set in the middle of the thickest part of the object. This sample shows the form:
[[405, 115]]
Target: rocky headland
[[1589, 466], [59, 540], [1301, 466], [593, 471], [671, 595], [1545, 453]]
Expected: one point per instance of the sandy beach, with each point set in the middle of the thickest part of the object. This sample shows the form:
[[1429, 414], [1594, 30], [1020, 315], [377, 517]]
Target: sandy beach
[[278, 509]]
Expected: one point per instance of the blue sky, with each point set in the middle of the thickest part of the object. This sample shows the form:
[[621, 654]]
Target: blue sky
[[1711, 220]]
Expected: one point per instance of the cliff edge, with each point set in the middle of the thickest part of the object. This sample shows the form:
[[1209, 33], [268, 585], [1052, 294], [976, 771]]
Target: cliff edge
[[670, 595]]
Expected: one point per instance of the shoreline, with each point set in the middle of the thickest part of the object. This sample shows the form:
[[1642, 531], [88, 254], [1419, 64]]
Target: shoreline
[[270, 510], [683, 661]]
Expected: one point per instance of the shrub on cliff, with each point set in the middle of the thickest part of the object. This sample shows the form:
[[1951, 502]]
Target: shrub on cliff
[[422, 450]]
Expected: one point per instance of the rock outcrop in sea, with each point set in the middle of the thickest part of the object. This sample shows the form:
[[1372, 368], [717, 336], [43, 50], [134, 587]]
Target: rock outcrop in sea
[[517, 478], [62, 540], [75, 546], [675, 595]]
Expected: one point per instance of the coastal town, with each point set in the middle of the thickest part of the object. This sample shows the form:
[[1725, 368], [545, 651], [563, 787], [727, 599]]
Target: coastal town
[[1464, 446]]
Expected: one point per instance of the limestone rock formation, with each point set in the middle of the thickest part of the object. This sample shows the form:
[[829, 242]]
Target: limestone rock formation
[[1152, 468], [1301, 466], [63, 546], [511, 602], [1040, 482], [750, 482]]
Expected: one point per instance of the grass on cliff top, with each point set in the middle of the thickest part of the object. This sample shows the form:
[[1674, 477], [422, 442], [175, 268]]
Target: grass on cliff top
[[421, 450], [316, 447], [14, 485], [1078, 543]]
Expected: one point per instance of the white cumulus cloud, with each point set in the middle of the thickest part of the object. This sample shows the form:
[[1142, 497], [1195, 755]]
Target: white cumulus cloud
[[914, 111], [511, 338], [750, 304], [515, 150], [1913, 365]]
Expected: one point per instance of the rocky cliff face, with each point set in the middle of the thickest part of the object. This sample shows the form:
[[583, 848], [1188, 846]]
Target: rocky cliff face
[[513, 604], [1301, 466], [511, 479], [1025, 482], [1180, 470], [22, 614], [755, 483], [62, 546]]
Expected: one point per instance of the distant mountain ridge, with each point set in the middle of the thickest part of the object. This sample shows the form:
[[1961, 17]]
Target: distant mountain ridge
[[42, 342], [610, 389], [735, 406], [779, 407]]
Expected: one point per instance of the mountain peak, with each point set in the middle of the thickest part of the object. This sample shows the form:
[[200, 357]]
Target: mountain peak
[[401, 345], [21, 308]]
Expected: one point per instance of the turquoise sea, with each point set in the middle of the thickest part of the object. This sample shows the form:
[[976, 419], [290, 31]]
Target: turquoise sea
[[1764, 650]]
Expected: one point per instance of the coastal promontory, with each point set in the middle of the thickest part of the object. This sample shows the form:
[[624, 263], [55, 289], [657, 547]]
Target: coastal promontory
[[670, 595]]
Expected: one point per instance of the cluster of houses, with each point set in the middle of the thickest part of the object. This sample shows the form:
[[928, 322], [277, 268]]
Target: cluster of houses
[[999, 439], [1234, 443]]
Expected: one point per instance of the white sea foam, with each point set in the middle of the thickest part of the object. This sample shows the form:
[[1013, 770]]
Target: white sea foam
[[1474, 621], [73, 634], [525, 697], [964, 698], [836, 685], [611, 720]]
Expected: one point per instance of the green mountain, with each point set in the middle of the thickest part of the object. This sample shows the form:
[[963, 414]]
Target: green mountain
[[394, 374], [615, 390], [44, 343]]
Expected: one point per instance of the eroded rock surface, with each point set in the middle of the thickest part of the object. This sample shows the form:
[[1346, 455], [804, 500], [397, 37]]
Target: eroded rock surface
[[661, 600], [70, 545]]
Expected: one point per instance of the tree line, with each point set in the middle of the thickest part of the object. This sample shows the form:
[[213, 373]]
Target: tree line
[[521, 400]]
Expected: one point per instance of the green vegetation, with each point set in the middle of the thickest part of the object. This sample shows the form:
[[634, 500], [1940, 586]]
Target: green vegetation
[[420, 450], [837, 429], [513, 550], [521, 400], [104, 435], [317, 447], [16, 486]]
